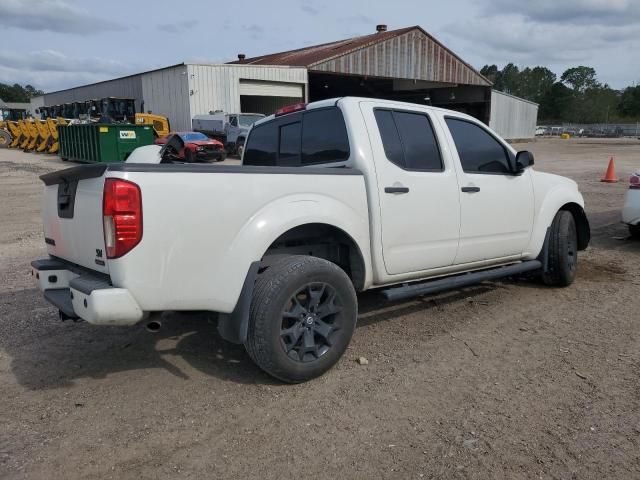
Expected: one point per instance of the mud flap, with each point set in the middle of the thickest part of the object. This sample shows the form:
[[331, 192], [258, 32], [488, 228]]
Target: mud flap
[[233, 326]]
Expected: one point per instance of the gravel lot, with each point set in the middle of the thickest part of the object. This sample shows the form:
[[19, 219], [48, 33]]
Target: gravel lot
[[503, 380]]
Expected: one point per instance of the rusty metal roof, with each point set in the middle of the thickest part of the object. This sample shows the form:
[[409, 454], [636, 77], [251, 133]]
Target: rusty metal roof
[[408, 52]]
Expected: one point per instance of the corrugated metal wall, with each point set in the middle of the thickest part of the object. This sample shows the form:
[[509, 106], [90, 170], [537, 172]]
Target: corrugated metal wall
[[217, 87], [511, 117], [412, 55], [129, 87], [166, 92]]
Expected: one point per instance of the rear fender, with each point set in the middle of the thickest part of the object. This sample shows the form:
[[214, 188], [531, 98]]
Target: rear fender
[[286, 213]]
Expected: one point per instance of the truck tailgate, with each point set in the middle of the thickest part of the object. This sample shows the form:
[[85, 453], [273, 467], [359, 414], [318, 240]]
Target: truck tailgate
[[72, 215]]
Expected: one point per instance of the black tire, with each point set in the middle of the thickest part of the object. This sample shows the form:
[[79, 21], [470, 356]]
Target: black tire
[[240, 147], [5, 139], [562, 261], [286, 331], [189, 156], [634, 231]]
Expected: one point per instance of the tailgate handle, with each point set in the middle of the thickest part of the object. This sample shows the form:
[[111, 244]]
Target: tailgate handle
[[66, 199], [63, 200]]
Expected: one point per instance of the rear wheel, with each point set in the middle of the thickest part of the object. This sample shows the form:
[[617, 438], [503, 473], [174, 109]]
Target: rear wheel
[[5, 139], [562, 260], [634, 231], [303, 314]]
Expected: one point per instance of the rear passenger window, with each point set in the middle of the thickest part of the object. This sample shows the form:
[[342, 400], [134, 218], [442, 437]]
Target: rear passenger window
[[409, 140], [390, 136], [324, 137], [479, 152], [262, 147], [305, 138], [289, 150]]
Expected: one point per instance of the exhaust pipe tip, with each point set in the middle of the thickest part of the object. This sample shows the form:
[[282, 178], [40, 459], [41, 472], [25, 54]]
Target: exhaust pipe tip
[[153, 326]]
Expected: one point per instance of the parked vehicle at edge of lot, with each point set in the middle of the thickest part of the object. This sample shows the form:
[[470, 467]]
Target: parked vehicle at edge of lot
[[230, 128], [333, 198], [631, 208], [197, 147]]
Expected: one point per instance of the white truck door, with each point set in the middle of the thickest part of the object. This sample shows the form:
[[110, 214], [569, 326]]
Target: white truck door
[[496, 206], [417, 187]]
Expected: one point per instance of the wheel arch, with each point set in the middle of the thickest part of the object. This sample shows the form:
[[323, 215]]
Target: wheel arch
[[555, 200], [322, 240], [582, 223]]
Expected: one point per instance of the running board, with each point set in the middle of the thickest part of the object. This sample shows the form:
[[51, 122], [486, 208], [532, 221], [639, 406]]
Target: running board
[[458, 281]]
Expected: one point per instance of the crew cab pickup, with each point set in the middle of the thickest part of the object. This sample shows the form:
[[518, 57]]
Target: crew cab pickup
[[332, 198]]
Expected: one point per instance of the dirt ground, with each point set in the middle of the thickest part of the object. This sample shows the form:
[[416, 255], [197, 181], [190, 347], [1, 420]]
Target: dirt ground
[[504, 380]]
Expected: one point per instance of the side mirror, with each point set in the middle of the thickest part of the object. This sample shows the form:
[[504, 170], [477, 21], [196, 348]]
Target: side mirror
[[524, 159]]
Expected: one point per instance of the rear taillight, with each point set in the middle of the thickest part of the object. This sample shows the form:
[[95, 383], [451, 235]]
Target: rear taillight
[[634, 182], [122, 216]]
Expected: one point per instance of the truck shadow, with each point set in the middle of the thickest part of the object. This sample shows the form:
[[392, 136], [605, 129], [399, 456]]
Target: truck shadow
[[45, 353]]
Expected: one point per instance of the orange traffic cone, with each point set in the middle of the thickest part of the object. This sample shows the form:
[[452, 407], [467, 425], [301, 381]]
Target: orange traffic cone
[[610, 176]]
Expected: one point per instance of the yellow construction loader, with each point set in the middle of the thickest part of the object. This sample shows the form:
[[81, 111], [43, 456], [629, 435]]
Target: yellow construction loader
[[5, 135], [53, 128], [44, 136], [160, 123], [16, 134]]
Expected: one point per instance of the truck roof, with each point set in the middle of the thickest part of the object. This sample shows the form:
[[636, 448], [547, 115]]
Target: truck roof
[[391, 103]]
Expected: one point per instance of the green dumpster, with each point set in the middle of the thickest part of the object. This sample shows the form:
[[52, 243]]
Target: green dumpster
[[102, 142]]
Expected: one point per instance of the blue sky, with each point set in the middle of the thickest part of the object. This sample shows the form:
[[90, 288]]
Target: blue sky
[[56, 44]]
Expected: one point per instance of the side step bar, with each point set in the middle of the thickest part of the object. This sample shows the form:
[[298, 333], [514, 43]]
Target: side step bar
[[458, 281]]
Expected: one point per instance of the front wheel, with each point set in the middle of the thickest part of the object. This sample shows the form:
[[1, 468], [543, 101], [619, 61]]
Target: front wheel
[[634, 231], [303, 314], [240, 147], [189, 156], [562, 255]]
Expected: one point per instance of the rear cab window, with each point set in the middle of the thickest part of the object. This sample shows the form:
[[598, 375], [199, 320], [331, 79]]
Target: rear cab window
[[312, 137], [409, 140]]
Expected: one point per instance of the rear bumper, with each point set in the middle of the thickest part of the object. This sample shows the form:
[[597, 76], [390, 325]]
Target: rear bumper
[[81, 294]]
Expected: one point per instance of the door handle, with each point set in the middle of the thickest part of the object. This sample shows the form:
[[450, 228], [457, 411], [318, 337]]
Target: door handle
[[396, 189], [470, 189]]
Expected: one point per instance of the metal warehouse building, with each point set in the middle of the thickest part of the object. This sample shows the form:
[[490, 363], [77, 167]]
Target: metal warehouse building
[[406, 64]]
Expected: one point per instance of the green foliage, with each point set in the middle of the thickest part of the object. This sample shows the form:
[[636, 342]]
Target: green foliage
[[577, 97], [18, 93], [630, 102], [580, 79]]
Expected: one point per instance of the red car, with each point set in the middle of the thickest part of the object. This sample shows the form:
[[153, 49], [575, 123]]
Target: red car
[[197, 147]]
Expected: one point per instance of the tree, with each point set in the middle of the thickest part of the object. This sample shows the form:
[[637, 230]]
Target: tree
[[580, 78], [629, 105], [535, 82], [18, 93], [556, 103], [511, 79], [493, 74]]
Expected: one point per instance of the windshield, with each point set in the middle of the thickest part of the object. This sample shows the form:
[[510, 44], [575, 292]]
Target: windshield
[[248, 120], [190, 137]]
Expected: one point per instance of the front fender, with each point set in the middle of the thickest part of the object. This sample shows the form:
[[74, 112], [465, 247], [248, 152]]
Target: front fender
[[550, 203]]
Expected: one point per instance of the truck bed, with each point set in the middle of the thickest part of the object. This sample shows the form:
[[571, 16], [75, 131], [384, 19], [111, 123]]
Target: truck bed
[[203, 225]]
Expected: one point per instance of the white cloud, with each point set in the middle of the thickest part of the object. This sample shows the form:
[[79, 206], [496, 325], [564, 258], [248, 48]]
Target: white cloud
[[53, 15], [51, 70], [598, 12], [178, 27]]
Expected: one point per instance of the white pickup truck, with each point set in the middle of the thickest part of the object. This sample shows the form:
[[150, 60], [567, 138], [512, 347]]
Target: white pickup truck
[[332, 198]]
